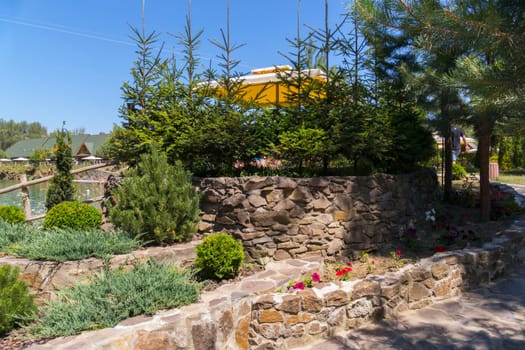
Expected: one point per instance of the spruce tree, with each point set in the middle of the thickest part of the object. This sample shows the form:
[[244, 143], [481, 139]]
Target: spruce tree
[[61, 186]]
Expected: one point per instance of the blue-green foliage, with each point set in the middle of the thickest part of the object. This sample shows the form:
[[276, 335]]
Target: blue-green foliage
[[72, 244], [116, 295], [13, 233]]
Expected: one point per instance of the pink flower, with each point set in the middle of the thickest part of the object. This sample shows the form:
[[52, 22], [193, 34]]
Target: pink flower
[[398, 252], [298, 285], [440, 248], [315, 277]]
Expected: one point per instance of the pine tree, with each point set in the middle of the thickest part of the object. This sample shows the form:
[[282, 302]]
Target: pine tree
[[156, 200]]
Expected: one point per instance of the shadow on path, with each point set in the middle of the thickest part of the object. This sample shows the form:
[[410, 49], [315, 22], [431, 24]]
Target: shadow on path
[[488, 317]]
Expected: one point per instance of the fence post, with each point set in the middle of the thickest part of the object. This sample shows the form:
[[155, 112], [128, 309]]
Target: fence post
[[26, 202]]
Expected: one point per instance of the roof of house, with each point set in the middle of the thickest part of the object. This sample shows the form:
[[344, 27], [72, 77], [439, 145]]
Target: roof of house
[[81, 145]]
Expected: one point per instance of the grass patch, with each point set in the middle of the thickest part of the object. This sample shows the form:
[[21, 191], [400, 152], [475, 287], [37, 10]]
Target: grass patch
[[62, 244], [114, 296], [511, 179]]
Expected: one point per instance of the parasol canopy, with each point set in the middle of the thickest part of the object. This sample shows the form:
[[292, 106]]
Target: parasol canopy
[[265, 85]]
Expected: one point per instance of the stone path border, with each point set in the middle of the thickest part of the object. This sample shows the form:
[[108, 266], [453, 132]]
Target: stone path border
[[488, 317]]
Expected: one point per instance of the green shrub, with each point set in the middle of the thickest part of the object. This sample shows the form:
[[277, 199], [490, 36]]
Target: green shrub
[[156, 201], [16, 304], [116, 295], [62, 244], [12, 214], [458, 172], [74, 215], [219, 256]]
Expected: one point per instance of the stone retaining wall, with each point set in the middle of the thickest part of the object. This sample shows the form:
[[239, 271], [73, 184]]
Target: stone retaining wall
[[285, 218], [44, 277], [231, 318], [291, 320]]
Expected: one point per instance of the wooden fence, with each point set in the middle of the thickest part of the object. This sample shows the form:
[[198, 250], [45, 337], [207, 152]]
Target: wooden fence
[[24, 185]]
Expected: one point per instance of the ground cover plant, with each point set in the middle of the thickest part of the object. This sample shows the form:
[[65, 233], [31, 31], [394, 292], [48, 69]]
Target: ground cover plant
[[62, 244], [115, 295], [12, 233]]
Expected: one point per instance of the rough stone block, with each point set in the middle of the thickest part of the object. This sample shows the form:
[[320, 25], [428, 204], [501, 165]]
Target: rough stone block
[[204, 335], [389, 291], [360, 308], [269, 330], [337, 317], [152, 341], [282, 255], [310, 301], [241, 333], [440, 271], [419, 274], [290, 304], [316, 327], [365, 288], [301, 317], [417, 292], [336, 298], [264, 302], [270, 316], [442, 288]]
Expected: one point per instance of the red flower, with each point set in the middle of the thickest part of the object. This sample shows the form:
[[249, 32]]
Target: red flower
[[440, 248], [398, 252], [298, 285], [315, 277], [343, 272]]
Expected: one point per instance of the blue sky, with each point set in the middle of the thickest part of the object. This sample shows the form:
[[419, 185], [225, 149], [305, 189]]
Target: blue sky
[[65, 60]]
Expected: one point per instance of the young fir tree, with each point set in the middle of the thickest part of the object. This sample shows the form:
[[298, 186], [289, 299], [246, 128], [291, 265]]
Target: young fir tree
[[156, 201], [61, 186]]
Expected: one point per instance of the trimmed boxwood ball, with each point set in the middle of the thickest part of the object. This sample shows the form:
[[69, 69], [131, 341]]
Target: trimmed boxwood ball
[[12, 214], [219, 256], [73, 214]]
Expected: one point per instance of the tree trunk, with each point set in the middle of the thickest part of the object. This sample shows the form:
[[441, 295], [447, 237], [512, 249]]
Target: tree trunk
[[484, 158], [447, 186]]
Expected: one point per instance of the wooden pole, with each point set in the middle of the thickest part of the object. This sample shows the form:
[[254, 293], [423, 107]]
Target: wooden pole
[[26, 201]]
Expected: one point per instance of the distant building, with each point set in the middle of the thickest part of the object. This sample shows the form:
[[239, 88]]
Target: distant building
[[82, 146]]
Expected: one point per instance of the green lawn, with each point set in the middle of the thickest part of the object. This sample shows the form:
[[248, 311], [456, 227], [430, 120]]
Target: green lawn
[[511, 179]]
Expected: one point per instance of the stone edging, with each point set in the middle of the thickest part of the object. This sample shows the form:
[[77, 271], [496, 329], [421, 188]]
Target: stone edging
[[249, 315]]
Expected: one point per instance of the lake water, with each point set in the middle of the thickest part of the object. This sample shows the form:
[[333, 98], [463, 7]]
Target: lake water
[[37, 194]]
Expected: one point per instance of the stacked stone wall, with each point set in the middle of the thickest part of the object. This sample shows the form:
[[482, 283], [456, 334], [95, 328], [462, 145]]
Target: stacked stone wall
[[285, 218], [287, 320]]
